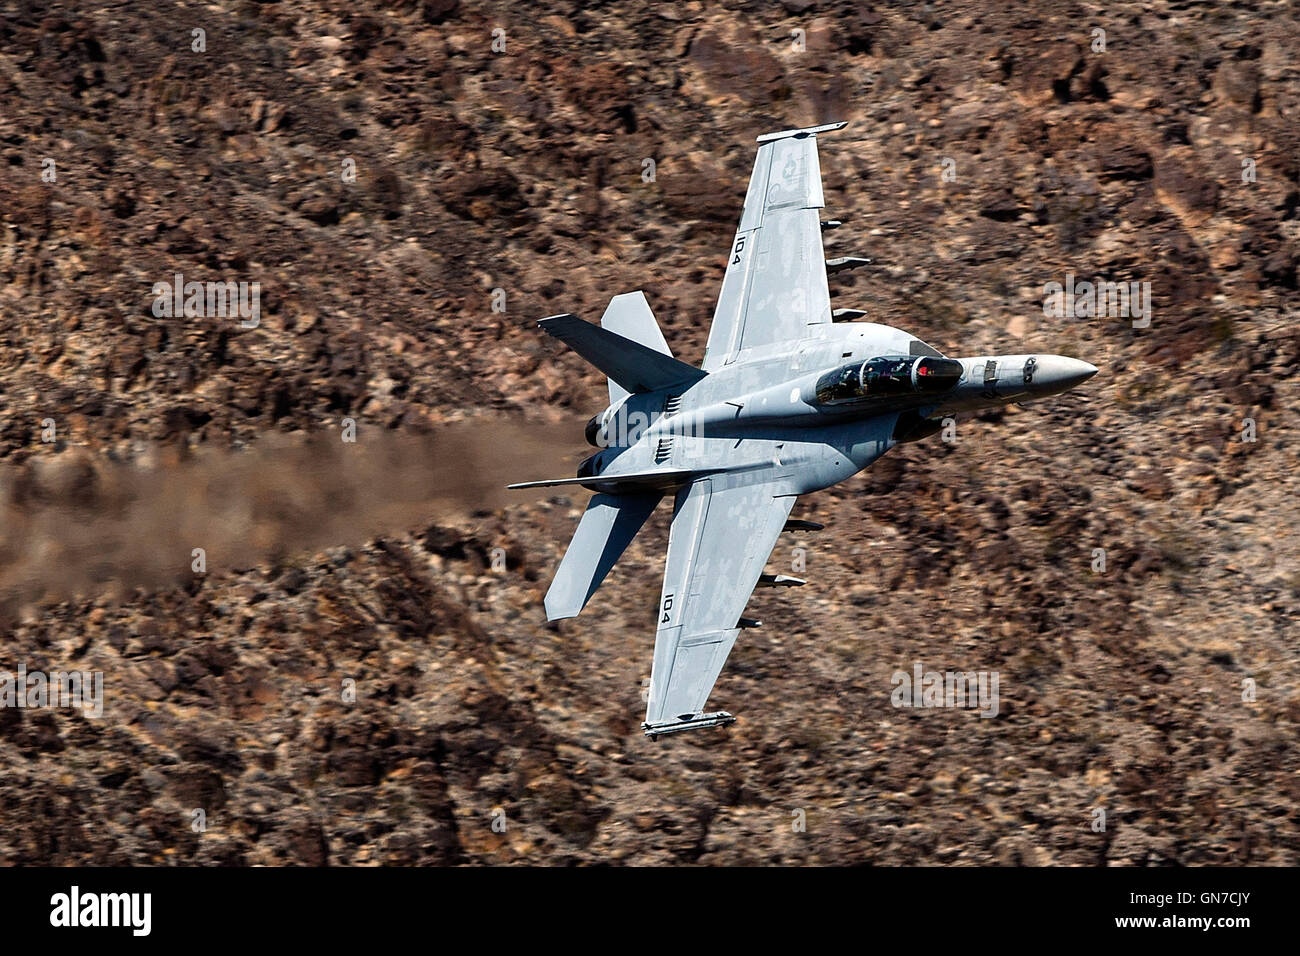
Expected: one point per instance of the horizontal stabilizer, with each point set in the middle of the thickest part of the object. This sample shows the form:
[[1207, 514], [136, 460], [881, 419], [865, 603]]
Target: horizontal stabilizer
[[848, 315], [633, 366], [607, 528]]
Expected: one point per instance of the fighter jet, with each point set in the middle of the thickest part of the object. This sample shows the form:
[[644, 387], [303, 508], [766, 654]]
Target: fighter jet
[[792, 397]]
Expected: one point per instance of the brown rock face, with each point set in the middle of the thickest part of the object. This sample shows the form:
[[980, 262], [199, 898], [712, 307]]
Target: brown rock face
[[361, 673]]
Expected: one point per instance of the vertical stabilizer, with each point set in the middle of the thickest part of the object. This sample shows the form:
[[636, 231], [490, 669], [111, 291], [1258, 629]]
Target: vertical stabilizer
[[629, 315]]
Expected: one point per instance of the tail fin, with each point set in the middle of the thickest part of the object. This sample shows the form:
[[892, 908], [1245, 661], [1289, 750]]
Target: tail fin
[[629, 315], [607, 528], [627, 346]]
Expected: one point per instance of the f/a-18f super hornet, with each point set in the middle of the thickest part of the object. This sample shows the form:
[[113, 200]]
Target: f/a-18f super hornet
[[790, 398]]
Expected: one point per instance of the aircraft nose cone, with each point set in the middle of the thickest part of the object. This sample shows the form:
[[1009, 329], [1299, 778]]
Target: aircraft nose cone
[[1076, 372], [1059, 373]]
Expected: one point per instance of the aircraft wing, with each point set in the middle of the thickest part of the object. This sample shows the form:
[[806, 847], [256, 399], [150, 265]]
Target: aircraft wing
[[775, 284], [720, 539]]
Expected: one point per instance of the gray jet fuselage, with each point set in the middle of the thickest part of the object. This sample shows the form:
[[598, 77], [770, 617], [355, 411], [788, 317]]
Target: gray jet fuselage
[[735, 417], [788, 400]]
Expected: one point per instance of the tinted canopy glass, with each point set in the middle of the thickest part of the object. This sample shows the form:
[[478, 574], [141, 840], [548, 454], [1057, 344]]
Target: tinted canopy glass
[[886, 376], [874, 378]]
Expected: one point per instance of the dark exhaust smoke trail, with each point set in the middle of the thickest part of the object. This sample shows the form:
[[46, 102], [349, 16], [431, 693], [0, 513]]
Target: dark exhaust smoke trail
[[72, 524]]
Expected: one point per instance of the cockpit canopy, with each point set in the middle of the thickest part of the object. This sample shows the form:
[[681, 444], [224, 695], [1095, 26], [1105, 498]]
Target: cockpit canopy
[[887, 376]]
